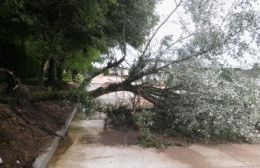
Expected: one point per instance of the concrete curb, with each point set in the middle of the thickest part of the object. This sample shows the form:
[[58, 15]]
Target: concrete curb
[[42, 161]]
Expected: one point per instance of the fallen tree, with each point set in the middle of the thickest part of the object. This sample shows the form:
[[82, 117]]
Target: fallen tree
[[208, 41], [192, 80]]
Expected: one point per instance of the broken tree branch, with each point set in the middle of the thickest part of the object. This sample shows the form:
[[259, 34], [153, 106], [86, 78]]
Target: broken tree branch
[[159, 27]]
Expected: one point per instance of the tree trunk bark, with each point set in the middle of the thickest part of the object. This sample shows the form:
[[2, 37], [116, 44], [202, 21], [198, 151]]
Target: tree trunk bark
[[135, 89], [114, 87], [42, 72], [59, 72], [51, 71]]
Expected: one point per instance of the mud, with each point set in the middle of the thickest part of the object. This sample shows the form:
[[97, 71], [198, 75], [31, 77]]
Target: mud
[[26, 130]]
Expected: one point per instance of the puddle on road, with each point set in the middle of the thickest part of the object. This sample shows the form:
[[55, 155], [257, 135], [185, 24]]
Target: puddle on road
[[86, 139]]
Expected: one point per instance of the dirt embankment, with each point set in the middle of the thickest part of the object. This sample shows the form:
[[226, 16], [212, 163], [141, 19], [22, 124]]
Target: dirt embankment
[[27, 128]]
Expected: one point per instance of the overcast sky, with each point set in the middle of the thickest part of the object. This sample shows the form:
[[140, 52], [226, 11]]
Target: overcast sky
[[173, 28], [166, 6]]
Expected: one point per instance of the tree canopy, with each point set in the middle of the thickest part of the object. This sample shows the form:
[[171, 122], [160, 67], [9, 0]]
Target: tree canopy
[[62, 31]]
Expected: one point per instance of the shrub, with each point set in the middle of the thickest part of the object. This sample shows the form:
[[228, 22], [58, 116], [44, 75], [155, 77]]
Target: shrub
[[88, 104], [120, 116]]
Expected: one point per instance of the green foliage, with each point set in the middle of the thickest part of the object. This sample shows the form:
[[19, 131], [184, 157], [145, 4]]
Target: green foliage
[[141, 120], [120, 116], [204, 103], [131, 21], [82, 62], [13, 57], [13, 24], [86, 101], [212, 103], [72, 33], [147, 140], [226, 75], [144, 123], [50, 89]]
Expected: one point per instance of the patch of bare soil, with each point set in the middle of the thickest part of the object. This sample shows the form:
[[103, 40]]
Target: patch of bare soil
[[27, 128]]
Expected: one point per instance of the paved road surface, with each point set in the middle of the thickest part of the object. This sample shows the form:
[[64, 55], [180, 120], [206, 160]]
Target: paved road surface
[[94, 147]]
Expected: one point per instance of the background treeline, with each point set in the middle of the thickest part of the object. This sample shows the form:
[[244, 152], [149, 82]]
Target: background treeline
[[47, 39]]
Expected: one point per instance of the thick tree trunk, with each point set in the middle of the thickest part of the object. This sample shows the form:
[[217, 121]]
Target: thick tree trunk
[[59, 72], [42, 71], [149, 93], [114, 87], [51, 71]]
